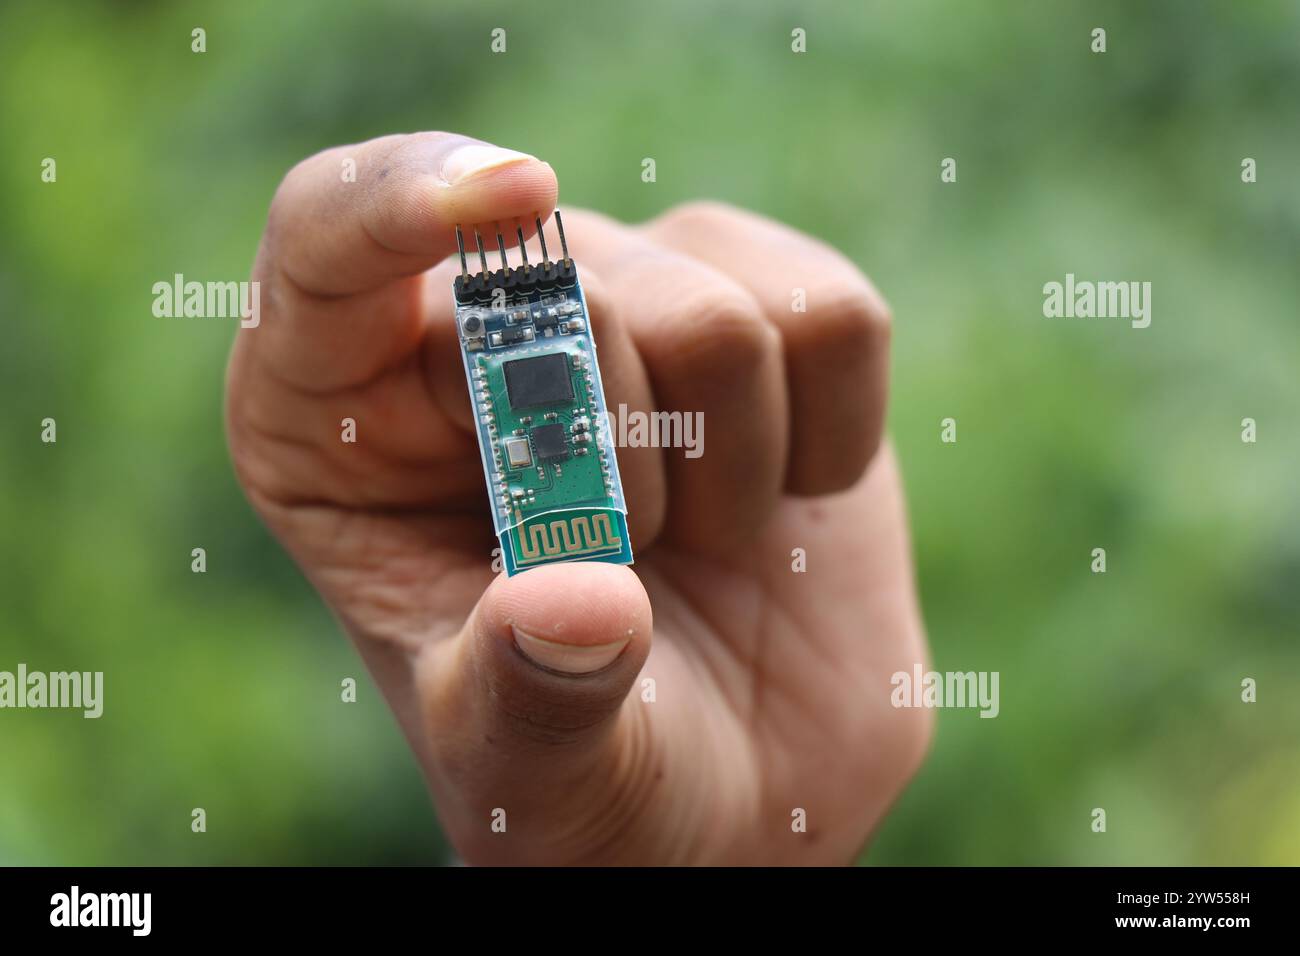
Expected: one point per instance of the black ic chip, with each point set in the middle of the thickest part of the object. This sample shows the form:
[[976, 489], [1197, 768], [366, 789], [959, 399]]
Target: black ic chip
[[550, 442], [540, 380]]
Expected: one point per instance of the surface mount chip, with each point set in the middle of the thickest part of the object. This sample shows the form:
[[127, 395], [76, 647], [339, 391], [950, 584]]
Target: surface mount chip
[[548, 452], [540, 380], [550, 442]]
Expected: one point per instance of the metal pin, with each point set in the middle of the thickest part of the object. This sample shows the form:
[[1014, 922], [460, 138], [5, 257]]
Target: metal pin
[[482, 258], [559, 224], [541, 237], [505, 266], [523, 249], [460, 244]]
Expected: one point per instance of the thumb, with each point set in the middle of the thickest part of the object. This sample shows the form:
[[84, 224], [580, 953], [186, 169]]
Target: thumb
[[531, 701]]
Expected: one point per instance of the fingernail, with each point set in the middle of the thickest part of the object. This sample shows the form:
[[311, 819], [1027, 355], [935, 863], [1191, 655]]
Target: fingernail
[[475, 158], [568, 658]]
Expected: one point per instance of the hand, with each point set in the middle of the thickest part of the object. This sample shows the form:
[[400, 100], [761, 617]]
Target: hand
[[770, 687]]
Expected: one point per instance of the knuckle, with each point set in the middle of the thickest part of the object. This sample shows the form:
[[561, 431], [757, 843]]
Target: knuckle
[[287, 203], [854, 316], [289, 185], [699, 212], [719, 327]]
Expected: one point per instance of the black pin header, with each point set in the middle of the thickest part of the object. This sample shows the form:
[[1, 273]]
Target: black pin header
[[522, 279]]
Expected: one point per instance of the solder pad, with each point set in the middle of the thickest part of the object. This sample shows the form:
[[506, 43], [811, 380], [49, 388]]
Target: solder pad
[[530, 361]]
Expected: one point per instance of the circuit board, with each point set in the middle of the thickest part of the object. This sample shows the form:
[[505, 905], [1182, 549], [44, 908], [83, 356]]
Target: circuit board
[[543, 431]]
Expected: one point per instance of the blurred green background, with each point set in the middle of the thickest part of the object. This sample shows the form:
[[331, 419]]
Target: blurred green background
[[1118, 690]]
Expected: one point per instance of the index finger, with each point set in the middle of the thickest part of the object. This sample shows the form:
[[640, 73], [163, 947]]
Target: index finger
[[352, 218], [348, 223]]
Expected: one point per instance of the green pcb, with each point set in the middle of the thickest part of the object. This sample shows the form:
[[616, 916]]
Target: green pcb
[[547, 450]]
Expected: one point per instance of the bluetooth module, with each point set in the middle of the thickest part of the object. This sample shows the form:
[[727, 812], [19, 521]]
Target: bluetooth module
[[548, 451]]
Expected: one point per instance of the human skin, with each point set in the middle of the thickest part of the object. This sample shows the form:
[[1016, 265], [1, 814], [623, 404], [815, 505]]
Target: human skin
[[530, 695]]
